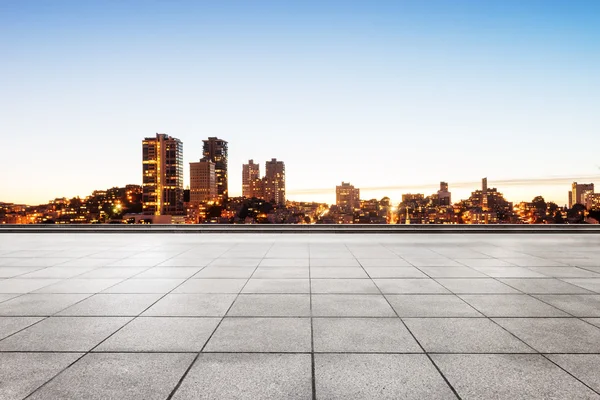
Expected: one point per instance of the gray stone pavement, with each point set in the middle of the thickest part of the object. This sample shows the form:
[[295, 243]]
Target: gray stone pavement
[[299, 316]]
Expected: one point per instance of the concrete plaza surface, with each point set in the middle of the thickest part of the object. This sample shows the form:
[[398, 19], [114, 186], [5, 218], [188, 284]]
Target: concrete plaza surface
[[299, 316]]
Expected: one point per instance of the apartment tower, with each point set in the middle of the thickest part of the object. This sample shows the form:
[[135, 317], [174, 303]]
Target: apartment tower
[[162, 175], [215, 150], [347, 197], [250, 176], [274, 181], [203, 182]]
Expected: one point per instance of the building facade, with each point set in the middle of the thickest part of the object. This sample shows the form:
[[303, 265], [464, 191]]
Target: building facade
[[578, 193], [274, 181], [443, 195], [203, 182], [216, 150], [347, 197], [250, 178], [162, 175]]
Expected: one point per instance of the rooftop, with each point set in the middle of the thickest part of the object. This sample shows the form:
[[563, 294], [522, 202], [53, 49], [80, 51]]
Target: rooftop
[[299, 316]]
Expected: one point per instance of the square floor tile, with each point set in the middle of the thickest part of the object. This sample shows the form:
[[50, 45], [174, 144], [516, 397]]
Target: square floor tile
[[476, 286], [544, 286], [343, 286], [145, 286], [161, 334], [34, 304], [169, 273], [281, 273], [554, 335], [533, 262], [593, 321], [111, 273], [434, 262], [413, 286], [248, 376], [211, 286], [8, 296], [76, 285], [284, 262], [508, 377], [452, 272], [346, 305], [484, 262], [57, 272], [279, 335], [191, 305], [509, 272], [22, 373], [511, 305], [11, 272], [431, 305], [334, 262], [383, 262], [235, 262], [363, 335], [100, 376], [10, 325], [185, 262], [16, 285], [464, 335], [378, 376], [565, 272], [337, 272], [225, 272], [579, 305], [63, 334], [592, 284], [277, 286], [584, 367], [271, 305], [394, 272], [112, 305]]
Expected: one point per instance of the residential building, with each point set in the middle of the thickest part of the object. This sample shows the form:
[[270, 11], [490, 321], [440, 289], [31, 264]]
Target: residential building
[[347, 197], [444, 197], [162, 175], [216, 150], [274, 181], [579, 191], [203, 182], [250, 176]]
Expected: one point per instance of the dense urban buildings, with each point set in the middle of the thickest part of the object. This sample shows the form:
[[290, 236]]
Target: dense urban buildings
[[216, 150], [270, 188], [162, 180], [579, 192], [162, 199], [203, 182]]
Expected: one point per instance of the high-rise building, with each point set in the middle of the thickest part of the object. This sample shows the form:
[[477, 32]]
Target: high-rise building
[[250, 176], [162, 175], [203, 182], [579, 191], [444, 196], [484, 194], [347, 197], [274, 181], [215, 150]]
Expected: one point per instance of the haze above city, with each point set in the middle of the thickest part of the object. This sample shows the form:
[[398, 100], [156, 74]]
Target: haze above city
[[397, 95]]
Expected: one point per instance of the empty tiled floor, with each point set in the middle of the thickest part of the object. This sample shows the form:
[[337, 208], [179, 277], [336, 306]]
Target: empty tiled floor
[[258, 316]]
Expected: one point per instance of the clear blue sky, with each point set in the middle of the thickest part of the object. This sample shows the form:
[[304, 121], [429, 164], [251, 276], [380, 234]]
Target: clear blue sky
[[378, 93]]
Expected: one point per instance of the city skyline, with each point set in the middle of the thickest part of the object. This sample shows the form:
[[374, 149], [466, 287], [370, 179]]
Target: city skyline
[[383, 94]]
